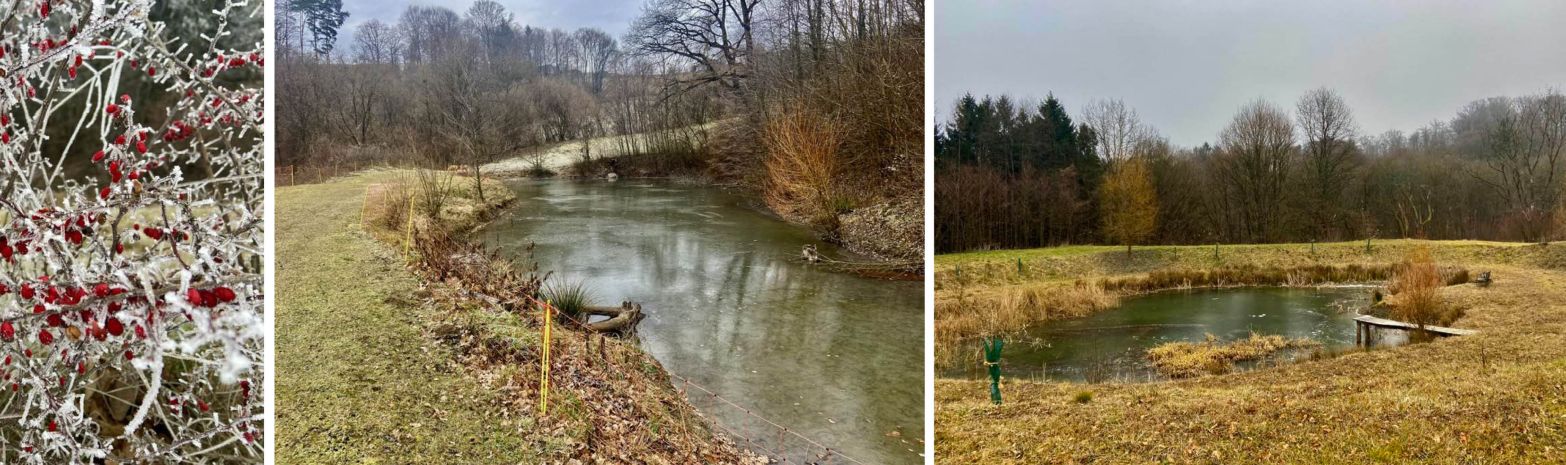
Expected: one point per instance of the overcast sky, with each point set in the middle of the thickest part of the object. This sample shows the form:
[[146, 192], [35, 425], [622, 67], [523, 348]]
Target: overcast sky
[[612, 16], [1187, 66]]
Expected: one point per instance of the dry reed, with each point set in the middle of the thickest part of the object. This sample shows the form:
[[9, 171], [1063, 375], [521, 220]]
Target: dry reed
[[1209, 357]]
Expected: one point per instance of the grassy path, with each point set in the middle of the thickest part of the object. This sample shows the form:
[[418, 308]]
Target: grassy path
[[356, 380]]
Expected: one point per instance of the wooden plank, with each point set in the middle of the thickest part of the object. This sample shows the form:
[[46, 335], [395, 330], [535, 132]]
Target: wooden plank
[[1383, 322]]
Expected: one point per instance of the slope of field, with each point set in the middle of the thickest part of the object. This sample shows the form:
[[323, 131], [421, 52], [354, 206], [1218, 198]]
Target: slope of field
[[559, 157], [356, 381], [1495, 397], [376, 365]]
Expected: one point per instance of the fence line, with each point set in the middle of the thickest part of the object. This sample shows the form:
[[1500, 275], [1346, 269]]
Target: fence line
[[828, 451], [782, 429]]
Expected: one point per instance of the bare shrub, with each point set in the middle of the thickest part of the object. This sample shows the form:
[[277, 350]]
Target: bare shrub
[[802, 163], [386, 207], [432, 190], [1416, 294]]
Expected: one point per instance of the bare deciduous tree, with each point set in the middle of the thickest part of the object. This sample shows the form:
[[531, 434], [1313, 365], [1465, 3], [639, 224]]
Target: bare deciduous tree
[[1329, 156], [1256, 148], [1521, 143], [1119, 128], [717, 37], [428, 31], [376, 42], [598, 50], [484, 118]]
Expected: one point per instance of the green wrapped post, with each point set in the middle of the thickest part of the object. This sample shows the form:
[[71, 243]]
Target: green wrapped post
[[992, 354]]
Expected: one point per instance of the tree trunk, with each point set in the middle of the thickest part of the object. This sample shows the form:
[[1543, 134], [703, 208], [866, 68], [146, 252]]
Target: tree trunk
[[478, 182], [622, 319]]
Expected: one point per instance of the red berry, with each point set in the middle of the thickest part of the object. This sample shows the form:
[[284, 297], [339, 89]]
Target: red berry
[[114, 326], [45, 337], [224, 294], [7, 332], [113, 109]]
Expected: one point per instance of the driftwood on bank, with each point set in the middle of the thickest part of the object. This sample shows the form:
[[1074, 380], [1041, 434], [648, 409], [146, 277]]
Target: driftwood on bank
[[622, 319]]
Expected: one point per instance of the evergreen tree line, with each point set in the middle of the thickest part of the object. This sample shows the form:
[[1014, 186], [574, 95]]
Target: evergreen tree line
[[1010, 175]]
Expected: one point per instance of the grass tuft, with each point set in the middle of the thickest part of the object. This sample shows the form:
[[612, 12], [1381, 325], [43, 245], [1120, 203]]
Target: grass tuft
[[1210, 357], [571, 298]]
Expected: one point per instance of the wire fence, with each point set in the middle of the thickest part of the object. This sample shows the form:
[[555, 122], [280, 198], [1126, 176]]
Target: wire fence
[[823, 454], [826, 454]]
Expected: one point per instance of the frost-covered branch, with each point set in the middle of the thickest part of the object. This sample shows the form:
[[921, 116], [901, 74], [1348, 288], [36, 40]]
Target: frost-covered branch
[[131, 306]]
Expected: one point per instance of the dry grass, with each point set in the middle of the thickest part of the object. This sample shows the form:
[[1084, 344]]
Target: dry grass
[[434, 371], [1248, 275], [1006, 267], [988, 293], [1495, 397], [1013, 309], [978, 311], [1184, 359]]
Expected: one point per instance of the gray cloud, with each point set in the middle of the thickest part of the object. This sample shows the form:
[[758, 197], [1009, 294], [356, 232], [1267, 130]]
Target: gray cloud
[[612, 16], [1186, 66]]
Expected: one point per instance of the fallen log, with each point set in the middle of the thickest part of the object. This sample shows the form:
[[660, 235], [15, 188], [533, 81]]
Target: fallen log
[[622, 319]]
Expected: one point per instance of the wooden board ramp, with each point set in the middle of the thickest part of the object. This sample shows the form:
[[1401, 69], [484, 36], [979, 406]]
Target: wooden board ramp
[[1363, 322]]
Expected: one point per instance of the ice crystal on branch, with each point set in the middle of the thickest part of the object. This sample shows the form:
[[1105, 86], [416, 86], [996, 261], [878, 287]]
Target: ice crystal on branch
[[131, 177]]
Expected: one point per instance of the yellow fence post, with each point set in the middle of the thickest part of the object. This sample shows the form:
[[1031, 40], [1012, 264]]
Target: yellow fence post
[[543, 383], [364, 206], [407, 245]]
